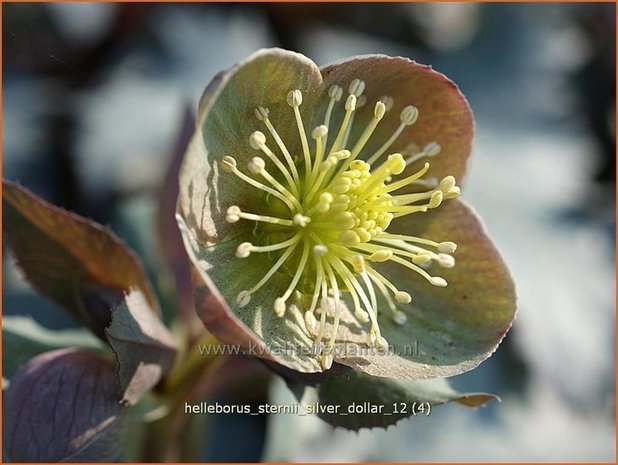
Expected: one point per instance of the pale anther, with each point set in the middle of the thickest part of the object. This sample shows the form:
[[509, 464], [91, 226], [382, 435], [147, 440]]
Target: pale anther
[[409, 115], [422, 258], [326, 361], [381, 255], [432, 149], [295, 98], [436, 199], [257, 139], [379, 110], [357, 87], [438, 281], [256, 165], [279, 307], [388, 101], [396, 163], [403, 297], [361, 101], [244, 250], [447, 183], [447, 247], [232, 215], [335, 92], [320, 250], [301, 220], [452, 193], [228, 163], [361, 315], [243, 298], [311, 322], [350, 103], [358, 262], [319, 132], [382, 343], [400, 318], [446, 260], [262, 113]]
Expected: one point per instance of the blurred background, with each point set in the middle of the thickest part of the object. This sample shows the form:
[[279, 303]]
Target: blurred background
[[97, 97]]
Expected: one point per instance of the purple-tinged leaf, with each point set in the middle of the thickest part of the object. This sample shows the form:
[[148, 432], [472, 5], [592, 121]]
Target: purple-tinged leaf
[[77, 263], [63, 406], [143, 346], [371, 401]]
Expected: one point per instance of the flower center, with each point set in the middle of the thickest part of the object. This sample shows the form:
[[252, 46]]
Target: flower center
[[331, 212]]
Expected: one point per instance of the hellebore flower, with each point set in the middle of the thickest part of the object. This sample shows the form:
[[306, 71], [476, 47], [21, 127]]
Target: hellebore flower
[[319, 209]]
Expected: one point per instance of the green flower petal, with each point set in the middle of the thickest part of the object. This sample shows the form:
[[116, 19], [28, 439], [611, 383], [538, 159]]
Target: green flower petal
[[225, 122], [444, 114], [449, 330]]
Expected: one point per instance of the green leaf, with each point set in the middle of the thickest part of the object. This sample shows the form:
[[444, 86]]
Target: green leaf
[[23, 338], [366, 401], [75, 262], [62, 407], [143, 346]]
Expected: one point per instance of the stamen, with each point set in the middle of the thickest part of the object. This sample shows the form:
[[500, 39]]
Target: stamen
[[443, 247], [234, 214], [280, 302], [246, 248], [229, 164], [434, 280], [357, 87], [257, 140], [335, 93], [286, 154], [405, 181], [378, 114], [335, 288], [408, 117], [350, 106], [388, 101], [430, 150], [340, 214], [319, 135], [295, 100], [400, 296]]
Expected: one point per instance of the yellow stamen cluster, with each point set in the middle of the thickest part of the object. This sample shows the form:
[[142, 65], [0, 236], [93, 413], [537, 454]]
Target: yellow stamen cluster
[[333, 234]]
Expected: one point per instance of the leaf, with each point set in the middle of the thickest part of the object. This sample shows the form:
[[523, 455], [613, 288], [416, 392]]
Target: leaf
[[62, 406], [143, 346], [23, 338], [77, 263], [372, 402]]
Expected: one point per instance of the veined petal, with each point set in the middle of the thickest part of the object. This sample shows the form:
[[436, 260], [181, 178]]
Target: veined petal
[[225, 122], [444, 115], [448, 330]]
